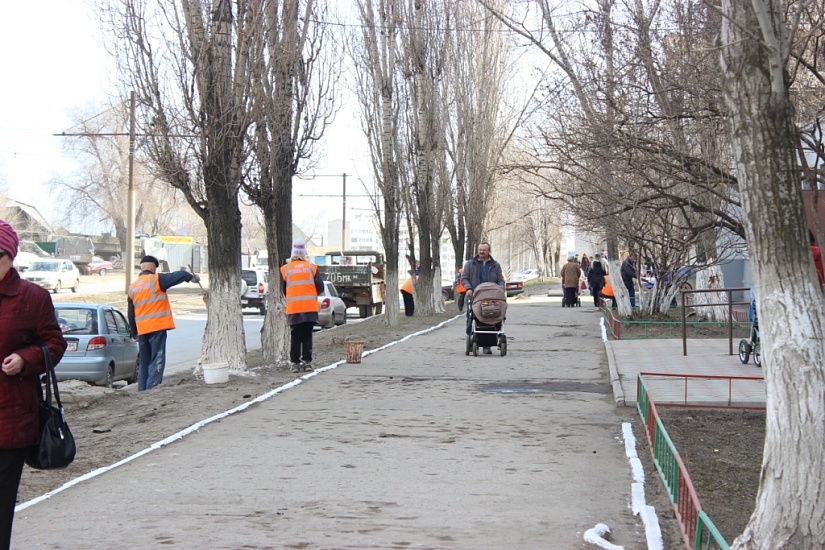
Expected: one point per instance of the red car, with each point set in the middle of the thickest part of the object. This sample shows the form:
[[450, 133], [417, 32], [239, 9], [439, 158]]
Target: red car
[[99, 266]]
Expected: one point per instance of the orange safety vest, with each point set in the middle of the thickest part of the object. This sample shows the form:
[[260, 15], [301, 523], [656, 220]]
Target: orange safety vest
[[407, 287], [459, 287], [607, 289], [152, 309], [301, 295]]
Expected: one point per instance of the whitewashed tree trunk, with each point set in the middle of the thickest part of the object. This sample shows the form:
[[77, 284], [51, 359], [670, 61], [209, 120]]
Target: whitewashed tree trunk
[[790, 510], [711, 278]]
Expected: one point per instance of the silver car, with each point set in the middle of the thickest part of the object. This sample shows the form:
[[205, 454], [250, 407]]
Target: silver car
[[100, 350], [53, 275], [331, 308]]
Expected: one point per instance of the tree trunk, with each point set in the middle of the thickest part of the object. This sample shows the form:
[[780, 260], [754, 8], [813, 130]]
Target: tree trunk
[[790, 511]]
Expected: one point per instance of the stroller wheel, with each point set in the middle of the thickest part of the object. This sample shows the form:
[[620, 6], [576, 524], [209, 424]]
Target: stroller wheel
[[744, 351], [475, 349], [757, 354], [468, 347], [502, 345]]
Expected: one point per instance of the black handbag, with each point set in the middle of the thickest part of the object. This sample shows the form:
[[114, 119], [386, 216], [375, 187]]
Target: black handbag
[[57, 447]]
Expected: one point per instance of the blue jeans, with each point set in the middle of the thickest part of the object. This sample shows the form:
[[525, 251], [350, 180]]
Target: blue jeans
[[152, 357], [631, 291]]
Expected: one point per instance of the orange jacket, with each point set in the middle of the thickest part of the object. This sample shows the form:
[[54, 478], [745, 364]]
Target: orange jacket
[[301, 295], [152, 309], [459, 286], [407, 286]]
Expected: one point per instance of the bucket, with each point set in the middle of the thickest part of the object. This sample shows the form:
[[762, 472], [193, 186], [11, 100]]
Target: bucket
[[215, 373], [354, 351]]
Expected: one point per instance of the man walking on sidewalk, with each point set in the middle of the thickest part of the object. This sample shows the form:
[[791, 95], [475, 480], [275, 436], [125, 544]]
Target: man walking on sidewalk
[[481, 269]]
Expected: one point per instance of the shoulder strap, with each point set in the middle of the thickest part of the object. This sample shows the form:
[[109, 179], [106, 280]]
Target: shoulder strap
[[51, 379]]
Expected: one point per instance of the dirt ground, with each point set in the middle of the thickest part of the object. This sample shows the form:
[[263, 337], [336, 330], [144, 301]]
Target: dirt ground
[[722, 449]]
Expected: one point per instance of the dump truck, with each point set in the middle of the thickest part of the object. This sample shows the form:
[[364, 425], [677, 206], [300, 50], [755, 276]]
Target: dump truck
[[358, 276], [77, 248]]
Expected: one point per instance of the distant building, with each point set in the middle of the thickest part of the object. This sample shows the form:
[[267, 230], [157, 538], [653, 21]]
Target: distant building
[[26, 220]]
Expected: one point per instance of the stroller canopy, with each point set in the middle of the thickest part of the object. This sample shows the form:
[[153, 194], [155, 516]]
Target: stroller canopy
[[489, 303]]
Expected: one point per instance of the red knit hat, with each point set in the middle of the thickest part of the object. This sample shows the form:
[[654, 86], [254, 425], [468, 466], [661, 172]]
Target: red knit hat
[[8, 239]]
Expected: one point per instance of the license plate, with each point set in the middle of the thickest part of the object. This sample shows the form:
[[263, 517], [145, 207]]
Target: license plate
[[72, 346]]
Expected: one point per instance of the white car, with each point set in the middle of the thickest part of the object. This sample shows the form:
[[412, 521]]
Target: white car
[[53, 275], [23, 261], [529, 274], [331, 309]]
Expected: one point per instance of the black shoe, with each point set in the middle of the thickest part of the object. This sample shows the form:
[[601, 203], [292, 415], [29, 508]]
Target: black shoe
[[488, 351]]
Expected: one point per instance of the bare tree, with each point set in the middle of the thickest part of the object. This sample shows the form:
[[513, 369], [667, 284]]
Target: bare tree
[[98, 188], [188, 63], [293, 101], [378, 86], [755, 55]]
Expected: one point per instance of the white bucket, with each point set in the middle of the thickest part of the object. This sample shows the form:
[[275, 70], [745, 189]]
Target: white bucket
[[215, 373]]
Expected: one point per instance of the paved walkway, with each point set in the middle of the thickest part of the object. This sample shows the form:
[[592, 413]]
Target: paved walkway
[[419, 446]]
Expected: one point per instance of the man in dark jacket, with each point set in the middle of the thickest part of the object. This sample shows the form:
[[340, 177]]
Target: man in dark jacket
[[628, 274], [481, 269]]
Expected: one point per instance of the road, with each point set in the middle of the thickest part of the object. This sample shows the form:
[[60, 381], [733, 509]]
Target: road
[[183, 345]]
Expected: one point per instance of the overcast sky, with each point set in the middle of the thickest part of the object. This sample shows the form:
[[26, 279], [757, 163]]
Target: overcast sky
[[53, 62]]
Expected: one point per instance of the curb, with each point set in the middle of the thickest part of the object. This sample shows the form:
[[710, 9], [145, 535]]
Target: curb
[[615, 381]]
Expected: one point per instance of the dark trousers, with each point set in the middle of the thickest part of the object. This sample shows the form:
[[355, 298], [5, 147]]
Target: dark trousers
[[631, 291], [460, 301], [409, 303], [11, 468], [597, 290], [300, 348], [152, 359], [570, 296]]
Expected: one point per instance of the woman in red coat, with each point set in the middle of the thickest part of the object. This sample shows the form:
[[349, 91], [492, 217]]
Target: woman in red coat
[[27, 320]]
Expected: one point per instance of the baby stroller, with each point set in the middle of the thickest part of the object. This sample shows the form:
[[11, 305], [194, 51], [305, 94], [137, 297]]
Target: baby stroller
[[576, 303], [746, 347], [487, 309]]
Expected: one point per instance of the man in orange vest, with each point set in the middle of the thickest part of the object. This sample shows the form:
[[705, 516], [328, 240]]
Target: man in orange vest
[[407, 294], [150, 316], [301, 284]]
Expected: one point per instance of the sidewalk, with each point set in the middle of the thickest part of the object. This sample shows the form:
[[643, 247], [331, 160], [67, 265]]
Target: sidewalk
[[418, 446]]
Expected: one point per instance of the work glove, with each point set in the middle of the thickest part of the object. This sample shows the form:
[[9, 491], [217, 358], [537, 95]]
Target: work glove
[[196, 278]]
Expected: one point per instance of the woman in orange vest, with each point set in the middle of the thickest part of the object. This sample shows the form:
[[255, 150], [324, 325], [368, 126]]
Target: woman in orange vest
[[407, 294], [301, 284]]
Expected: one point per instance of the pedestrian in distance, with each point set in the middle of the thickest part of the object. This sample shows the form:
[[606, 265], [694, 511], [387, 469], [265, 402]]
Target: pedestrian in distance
[[28, 320], [460, 291], [628, 272], [570, 275], [595, 279], [407, 294], [301, 283], [585, 264], [480, 269], [150, 317]]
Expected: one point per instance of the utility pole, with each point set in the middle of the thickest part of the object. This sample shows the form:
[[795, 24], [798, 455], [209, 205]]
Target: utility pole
[[344, 216], [130, 201]]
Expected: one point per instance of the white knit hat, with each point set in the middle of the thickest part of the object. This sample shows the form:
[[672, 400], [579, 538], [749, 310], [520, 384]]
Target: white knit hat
[[299, 247]]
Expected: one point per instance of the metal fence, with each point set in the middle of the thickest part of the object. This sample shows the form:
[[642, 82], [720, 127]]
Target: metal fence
[[698, 531]]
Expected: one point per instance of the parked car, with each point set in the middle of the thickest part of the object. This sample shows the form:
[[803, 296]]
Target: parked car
[[529, 275], [99, 266], [331, 309], [253, 289], [100, 350], [23, 261], [447, 290], [513, 288], [53, 275]]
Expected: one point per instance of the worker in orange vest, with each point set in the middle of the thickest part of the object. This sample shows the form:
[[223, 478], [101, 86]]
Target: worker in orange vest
[[301, 283], [407, 294], [150, 316], [607, 291], [460, 290]]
